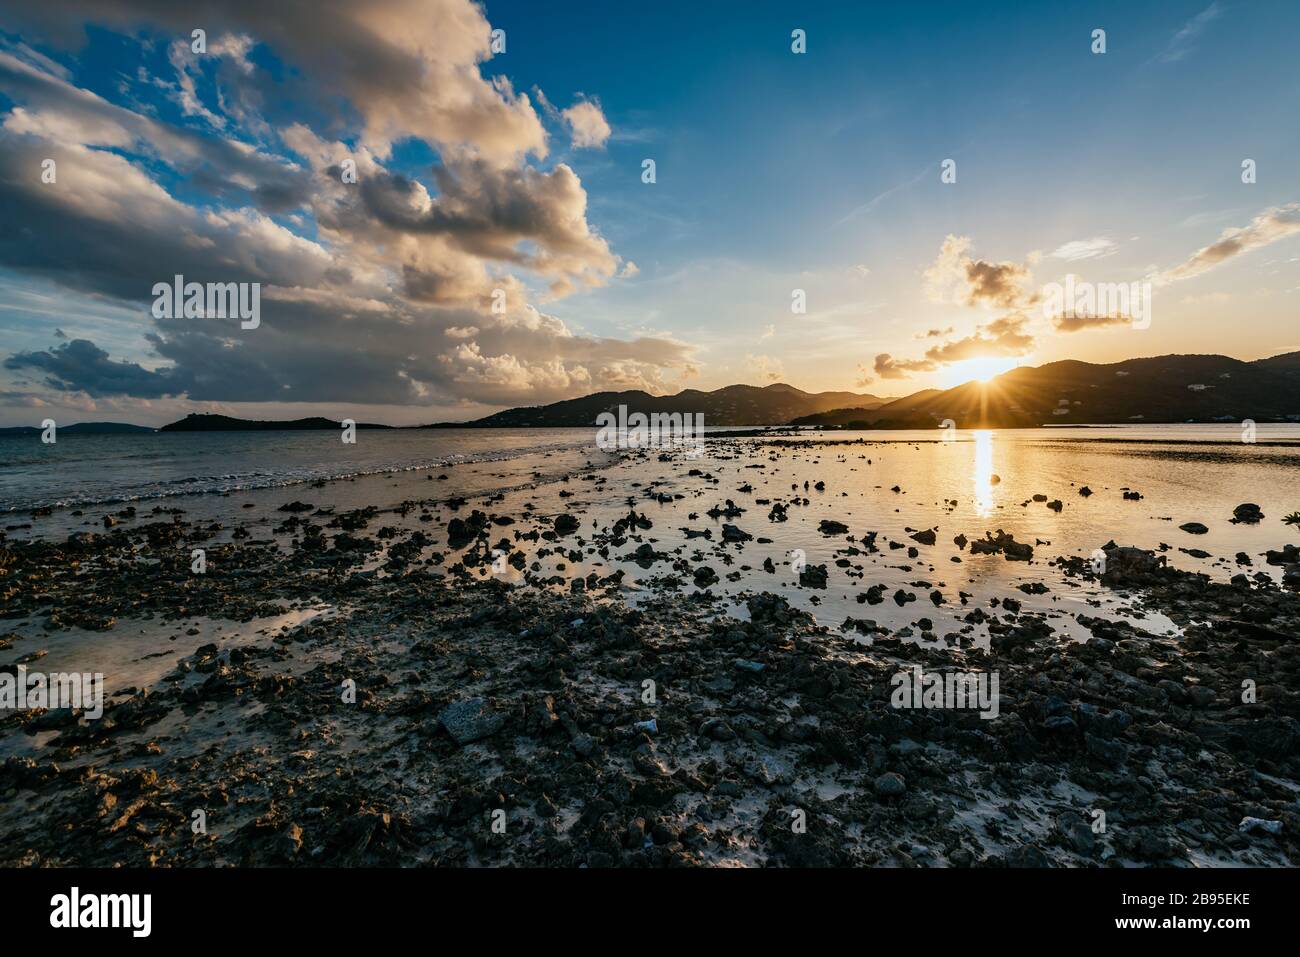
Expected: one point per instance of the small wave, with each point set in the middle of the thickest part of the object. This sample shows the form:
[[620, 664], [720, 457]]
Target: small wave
[[254, 480]]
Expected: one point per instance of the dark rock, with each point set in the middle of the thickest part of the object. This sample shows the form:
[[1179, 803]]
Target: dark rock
[[1076, 833], [813, 576], [471, 720], [1248, 513], [1110, 752], [889, 784], [730, 533], [718, 730]]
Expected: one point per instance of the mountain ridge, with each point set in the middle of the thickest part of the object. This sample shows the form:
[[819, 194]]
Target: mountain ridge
[[209, 422], [1156, 389], [81, 428], [739, 404]]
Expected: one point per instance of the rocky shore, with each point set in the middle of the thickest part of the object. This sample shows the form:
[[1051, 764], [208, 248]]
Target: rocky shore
[[461, 683]]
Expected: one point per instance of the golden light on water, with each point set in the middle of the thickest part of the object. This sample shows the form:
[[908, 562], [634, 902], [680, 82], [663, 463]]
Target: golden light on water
[[983, 472]]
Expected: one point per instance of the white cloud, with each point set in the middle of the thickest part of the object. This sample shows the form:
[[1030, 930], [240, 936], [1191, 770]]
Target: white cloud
[[587, 124], [1095, 248], [389, 301], [1269, 226]]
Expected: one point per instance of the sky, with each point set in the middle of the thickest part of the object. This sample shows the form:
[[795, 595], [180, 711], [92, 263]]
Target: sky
[[442, 220]]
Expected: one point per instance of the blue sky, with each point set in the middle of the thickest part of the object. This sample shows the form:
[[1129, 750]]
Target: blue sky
[[776, 171]]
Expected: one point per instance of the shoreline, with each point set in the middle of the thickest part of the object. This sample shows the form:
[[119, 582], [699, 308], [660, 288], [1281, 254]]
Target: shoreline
[[777, 436]]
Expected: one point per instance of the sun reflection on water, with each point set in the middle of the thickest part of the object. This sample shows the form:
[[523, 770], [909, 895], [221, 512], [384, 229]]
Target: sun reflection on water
[[984, 472]]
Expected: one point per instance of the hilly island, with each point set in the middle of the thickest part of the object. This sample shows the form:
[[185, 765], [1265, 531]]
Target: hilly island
[[1161, 389]]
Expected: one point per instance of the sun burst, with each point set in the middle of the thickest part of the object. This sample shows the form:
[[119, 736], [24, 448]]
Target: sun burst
[[978, 369]]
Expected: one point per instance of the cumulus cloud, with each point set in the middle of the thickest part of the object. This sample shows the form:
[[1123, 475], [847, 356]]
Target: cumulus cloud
[[1081, 323], [303, 353], [955, 276], [1007, 336], [107, 227], [388, 290], [407, 67], [50, 108], [887, 367], [588, 127], [80, 365]]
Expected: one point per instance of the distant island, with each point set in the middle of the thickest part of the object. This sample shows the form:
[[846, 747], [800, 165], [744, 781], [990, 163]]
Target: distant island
[[81, 428], [199, 422]]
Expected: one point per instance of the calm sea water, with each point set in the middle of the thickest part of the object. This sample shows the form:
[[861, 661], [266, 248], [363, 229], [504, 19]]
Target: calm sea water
[[93, 469], [105, 469], [893, 483]]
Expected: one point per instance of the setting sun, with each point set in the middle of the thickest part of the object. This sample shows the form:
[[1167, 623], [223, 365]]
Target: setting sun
[[981, 369]]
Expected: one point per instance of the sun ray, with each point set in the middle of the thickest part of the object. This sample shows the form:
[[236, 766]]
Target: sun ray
[[978, 369]]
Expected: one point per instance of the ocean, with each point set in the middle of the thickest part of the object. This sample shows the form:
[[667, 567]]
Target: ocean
[[81, 470], [104, 469]]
